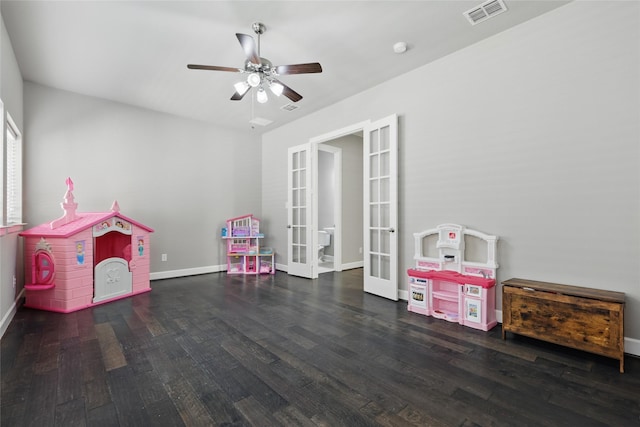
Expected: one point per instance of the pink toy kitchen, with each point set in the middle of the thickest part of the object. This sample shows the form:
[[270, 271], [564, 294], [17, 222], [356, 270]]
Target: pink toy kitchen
[[447, 284], [84, 259]]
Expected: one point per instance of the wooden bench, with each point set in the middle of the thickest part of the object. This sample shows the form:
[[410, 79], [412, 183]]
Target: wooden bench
[[582, 318]]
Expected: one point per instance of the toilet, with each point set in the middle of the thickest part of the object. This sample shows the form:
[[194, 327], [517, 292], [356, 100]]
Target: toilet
[[324, 239]]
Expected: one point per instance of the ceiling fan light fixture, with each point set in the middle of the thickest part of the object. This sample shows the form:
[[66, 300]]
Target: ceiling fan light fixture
[[261, 96], [253, 79], [276, 88], [241, 87]]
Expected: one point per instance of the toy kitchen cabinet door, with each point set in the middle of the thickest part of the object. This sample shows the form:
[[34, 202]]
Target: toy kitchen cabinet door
[[112, 279]]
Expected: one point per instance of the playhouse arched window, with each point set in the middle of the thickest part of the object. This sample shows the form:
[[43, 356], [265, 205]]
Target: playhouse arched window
[[44, 267]]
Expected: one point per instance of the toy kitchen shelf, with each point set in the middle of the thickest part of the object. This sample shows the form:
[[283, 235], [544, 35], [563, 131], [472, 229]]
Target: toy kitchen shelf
[[244, 253], [450, 288]]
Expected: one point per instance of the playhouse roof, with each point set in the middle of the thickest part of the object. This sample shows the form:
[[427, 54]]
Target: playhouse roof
[[73, 222], [83, 221]]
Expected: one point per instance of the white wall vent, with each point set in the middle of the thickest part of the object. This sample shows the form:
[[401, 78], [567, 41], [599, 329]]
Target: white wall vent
[[486, 10], [289, 107]]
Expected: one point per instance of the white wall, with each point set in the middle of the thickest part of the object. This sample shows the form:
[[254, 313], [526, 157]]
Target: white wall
[[10, 79], [182, 177], [531, 135], [11, 95]]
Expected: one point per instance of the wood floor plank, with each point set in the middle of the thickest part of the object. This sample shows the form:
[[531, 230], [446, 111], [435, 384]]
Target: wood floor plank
[[418, 417], [86, 325], [16, 379], [164, 413], [30, 344], [71, 413], [189, 406], [111, 351], [291, 416], [96, 393], [47, 357], [69, 363], [151, 387], [254, 412], [152, 324], [93, 374], [41, 400], [130, 406], [103, 416]]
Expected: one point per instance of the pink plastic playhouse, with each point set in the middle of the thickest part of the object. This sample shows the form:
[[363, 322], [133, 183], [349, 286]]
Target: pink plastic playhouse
[[85, 259]]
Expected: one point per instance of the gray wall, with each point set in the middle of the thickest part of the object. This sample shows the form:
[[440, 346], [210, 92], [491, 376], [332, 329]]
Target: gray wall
[[181, 177], [11, 95], [531, 135]]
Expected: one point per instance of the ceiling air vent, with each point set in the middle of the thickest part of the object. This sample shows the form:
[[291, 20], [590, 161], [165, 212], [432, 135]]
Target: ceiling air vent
[[486, 10], [289, 107], [260, 121]]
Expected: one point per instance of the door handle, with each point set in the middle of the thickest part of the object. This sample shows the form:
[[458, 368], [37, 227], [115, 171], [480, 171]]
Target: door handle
[[288, 225], [391, 230]]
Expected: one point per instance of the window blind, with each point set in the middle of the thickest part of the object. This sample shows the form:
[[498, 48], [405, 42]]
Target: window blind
[[14, 174]]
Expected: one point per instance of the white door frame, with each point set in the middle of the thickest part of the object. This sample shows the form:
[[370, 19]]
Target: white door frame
[[315, 141]]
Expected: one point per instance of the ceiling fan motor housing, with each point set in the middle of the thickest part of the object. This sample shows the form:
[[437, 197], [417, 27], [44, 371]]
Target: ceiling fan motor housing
[[259, 28]]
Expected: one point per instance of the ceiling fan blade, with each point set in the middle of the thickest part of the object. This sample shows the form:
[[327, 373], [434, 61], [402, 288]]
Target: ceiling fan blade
[[213, 68], [249, 46], [312, 67], [237, 97], [288, 92]]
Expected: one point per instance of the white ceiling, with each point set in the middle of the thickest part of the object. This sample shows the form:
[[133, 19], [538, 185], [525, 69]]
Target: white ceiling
[[135, 52]]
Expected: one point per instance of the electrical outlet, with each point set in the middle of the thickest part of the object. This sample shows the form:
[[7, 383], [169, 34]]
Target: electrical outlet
[[360, 250], [164, 257], [14, 282]]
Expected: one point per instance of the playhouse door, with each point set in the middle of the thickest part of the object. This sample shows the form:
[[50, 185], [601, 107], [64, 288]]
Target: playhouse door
[[112, 279], [381, 207]]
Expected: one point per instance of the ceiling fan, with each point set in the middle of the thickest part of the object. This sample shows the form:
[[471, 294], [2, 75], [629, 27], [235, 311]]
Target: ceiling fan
[[261, 72]]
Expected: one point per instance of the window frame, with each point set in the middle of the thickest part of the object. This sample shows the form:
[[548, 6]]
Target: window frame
[[11, 202]]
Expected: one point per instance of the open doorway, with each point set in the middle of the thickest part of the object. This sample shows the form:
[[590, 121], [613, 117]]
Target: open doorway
[[338, 210], [329, 205]]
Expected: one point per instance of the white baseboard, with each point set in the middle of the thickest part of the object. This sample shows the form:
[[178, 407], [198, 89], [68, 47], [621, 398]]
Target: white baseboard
[[8, 317], [632, 346], [349, 266], [170, 274], [352, 265]]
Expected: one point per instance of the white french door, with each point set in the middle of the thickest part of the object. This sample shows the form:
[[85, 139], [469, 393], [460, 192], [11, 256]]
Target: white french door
[[381, 207], [299, 220]]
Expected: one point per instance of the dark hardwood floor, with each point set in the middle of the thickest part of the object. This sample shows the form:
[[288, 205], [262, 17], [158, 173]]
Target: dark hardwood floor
[[279, 350]]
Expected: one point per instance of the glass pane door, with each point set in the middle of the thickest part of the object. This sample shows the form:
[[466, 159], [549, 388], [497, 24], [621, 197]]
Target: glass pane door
[[299, 228], [380, 222]]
